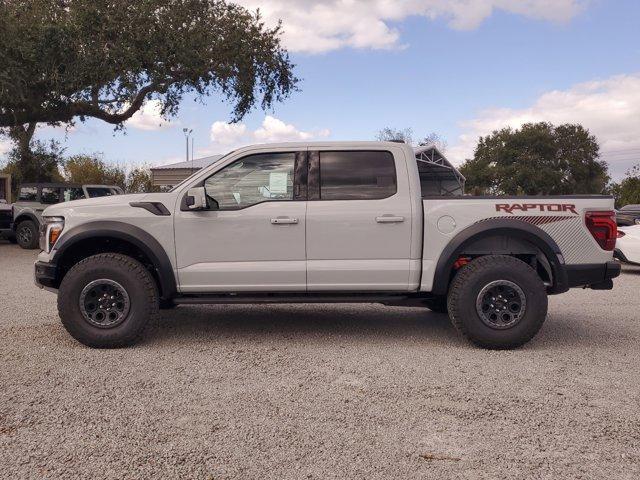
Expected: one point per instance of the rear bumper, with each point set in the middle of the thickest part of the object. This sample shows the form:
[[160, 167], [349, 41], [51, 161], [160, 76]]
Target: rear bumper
[[598, 276]]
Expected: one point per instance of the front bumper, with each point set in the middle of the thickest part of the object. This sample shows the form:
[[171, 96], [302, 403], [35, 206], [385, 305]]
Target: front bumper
[[46, 275], [598, 276]]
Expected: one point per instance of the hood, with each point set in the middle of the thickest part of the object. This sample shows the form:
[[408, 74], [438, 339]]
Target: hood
[[113, 200]]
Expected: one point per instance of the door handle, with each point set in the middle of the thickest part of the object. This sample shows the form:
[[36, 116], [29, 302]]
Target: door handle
[[284, 221], [389, 219]]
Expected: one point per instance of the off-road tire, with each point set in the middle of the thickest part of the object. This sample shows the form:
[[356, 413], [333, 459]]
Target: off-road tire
[[437, 304], [138, 284], [469, 282], [27, 235]]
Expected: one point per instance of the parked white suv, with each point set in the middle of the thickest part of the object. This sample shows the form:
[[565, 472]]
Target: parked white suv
[[324, 222]]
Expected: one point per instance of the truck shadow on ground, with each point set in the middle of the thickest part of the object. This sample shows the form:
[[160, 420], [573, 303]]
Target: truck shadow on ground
[[307, 321], [352, 323]]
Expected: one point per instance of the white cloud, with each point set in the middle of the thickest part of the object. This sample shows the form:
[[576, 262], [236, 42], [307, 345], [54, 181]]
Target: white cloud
[[227, 133], [149, 117], [315, 26], [274, 130], [609, 108], [227, 136]]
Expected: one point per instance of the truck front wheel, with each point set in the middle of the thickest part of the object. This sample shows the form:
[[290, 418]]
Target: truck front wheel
[[27, 235], [107, 300], [497, 302]]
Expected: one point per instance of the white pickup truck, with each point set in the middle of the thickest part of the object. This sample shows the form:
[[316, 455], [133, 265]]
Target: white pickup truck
[[324, 222]]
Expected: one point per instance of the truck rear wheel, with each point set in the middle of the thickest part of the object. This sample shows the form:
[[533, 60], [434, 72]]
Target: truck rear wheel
[[497, 302], [107, 300], [27, 235]]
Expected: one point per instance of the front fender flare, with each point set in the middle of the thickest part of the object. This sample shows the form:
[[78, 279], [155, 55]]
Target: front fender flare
[[126, 232]]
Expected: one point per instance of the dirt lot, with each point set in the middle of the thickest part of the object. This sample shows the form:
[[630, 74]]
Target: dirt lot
[[355, 391]]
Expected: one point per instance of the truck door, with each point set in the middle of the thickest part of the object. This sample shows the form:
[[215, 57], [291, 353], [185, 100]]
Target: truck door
[[358, 221], [252, 237]]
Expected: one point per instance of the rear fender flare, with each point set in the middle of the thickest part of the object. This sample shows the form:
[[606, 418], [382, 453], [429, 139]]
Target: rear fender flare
[[501, 227]]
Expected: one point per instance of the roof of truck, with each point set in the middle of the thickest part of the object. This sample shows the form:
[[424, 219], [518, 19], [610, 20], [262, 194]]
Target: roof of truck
[[198, 163]]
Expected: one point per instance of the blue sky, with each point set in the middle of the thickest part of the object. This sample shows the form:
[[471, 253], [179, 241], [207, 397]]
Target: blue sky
[[456, 68]]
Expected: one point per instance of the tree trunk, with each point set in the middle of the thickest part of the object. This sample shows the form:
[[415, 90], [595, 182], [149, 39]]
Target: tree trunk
[[22, 135]]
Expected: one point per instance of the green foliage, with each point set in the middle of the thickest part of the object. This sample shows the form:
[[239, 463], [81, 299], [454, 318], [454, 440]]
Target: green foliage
[[99, 58], [389, 134], [92, 169], [139, 181], [66, 60], [537, 159], [40, 165], [628, 190], [405, 135]]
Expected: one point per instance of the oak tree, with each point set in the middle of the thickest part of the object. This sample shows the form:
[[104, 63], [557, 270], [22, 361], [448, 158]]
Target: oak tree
[[69, 60]]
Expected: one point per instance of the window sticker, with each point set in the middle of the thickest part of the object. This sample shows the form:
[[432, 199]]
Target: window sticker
[[278, 182]]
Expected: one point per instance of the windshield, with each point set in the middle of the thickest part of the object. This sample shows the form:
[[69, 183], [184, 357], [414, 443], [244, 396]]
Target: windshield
[[186, 180]]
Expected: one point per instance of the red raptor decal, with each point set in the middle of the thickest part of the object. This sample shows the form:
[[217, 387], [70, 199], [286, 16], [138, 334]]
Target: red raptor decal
[[535, 207]]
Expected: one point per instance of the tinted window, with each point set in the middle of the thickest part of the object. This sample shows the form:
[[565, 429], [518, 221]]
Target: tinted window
[[251, 180], [49, 195], [69, 194], [100, 192], [356, 175], [28, 194]]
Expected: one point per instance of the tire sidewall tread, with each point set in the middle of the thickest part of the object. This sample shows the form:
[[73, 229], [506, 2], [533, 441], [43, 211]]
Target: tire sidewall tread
[[468, 282], [136, 280], [34, 234]]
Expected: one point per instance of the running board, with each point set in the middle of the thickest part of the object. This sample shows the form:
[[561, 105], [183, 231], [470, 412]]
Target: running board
[[387, 299]]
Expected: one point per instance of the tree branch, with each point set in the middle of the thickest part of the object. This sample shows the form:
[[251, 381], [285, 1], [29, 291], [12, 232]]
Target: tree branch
[[66, 113]]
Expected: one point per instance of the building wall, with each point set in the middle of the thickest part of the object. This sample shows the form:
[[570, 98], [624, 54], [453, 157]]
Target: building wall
[[173, 176]]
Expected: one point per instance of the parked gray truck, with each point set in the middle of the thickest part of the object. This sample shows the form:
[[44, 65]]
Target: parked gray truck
[[33, 198]]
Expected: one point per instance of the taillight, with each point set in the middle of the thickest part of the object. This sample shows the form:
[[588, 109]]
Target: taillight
[[602, 226]]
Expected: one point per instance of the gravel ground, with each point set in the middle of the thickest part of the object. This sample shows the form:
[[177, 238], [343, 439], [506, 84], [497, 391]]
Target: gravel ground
[[324, 391]]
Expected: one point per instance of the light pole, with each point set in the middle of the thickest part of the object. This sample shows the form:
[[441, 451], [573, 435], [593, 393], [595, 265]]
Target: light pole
[[187, 132]]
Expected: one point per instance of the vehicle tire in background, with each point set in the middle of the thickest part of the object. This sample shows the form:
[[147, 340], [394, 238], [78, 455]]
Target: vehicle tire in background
[[27, 234], [497, 302], [107, 300]]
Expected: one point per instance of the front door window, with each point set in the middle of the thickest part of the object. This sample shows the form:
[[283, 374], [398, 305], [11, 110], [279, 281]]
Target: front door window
[[252, 180]]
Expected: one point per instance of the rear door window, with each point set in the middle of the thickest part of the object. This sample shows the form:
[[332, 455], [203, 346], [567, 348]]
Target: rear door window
[[28, 194], [49, 195], [357, 175]]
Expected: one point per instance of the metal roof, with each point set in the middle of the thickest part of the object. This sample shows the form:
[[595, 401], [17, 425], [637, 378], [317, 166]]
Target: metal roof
[[196, 164]]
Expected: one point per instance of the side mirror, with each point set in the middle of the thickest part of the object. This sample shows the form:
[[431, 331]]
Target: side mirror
[[196, 199]]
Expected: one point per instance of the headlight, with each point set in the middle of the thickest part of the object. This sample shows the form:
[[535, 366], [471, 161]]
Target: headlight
[[50, 231]]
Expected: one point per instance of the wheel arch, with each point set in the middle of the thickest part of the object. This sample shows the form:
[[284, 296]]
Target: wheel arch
[[483, 232], [22, 216], [117, 237]]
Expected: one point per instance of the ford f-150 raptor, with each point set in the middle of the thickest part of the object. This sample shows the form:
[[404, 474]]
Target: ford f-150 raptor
[[324, 222]]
